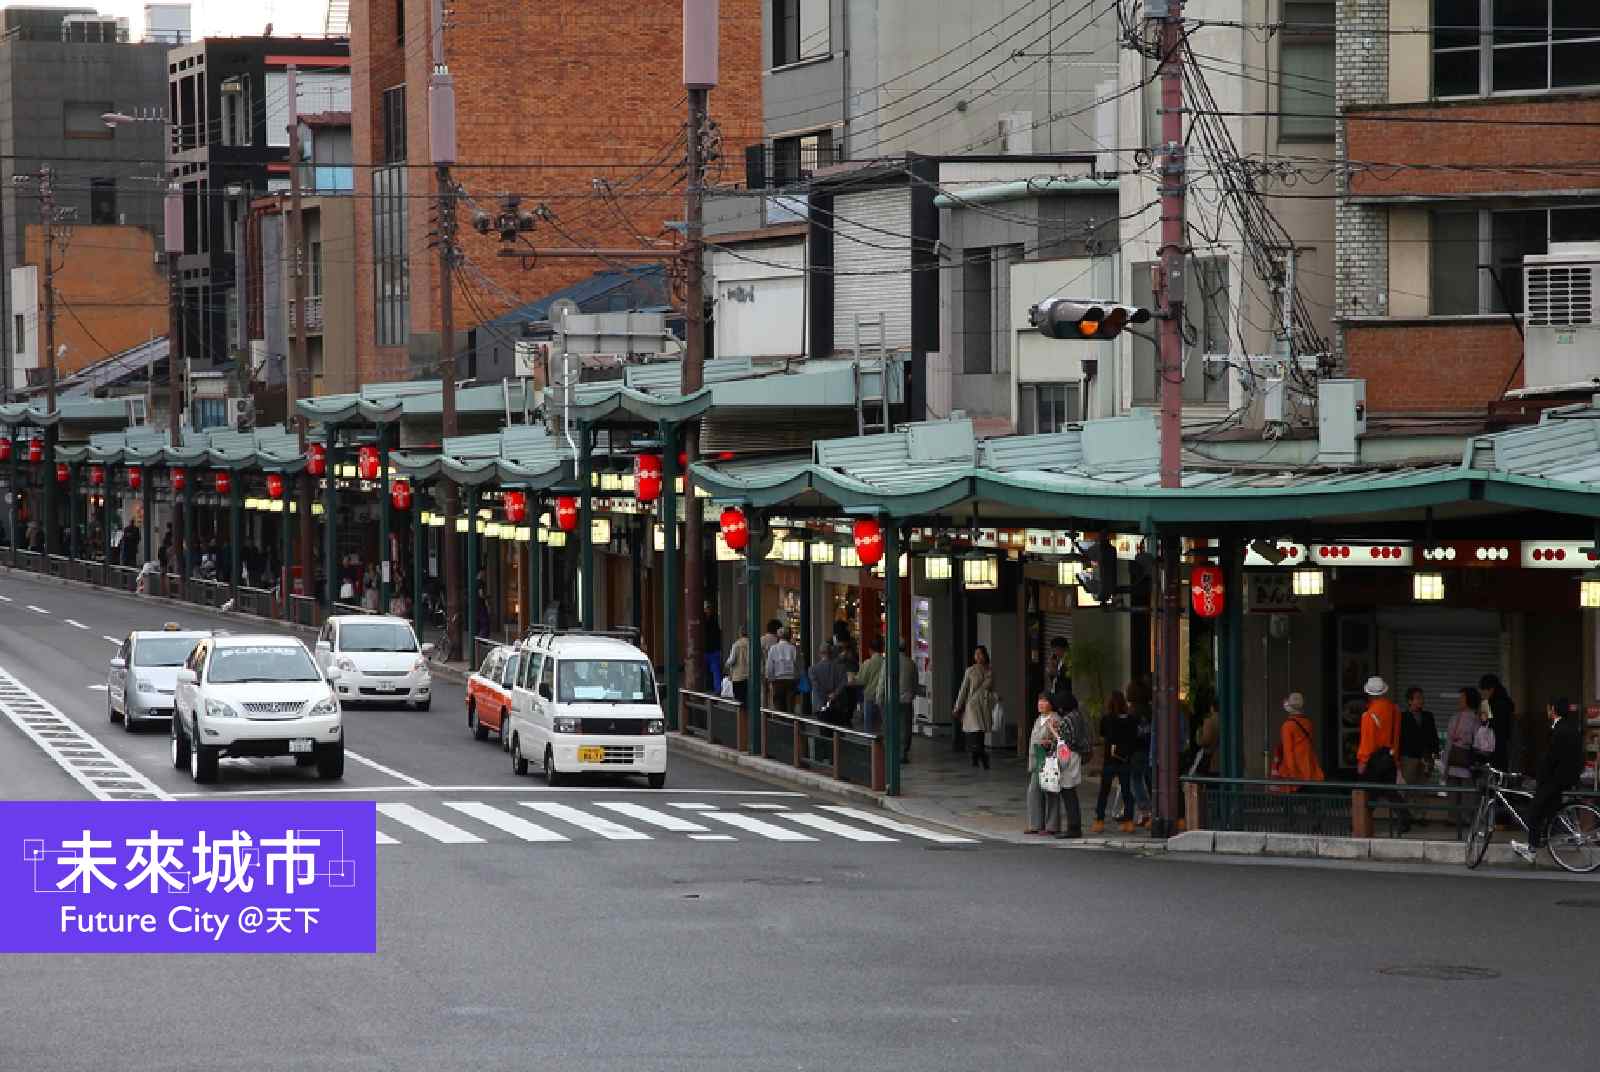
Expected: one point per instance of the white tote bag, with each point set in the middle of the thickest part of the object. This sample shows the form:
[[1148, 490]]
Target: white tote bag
[[1050, 775]]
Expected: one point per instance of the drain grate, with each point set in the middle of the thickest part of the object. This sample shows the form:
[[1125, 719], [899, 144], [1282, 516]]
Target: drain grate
[[1441, 972]]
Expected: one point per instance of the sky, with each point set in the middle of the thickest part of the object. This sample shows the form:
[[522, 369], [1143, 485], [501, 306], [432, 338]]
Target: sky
[[219, 18]]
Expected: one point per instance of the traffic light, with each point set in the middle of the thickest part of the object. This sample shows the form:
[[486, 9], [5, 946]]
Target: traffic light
[[1098, 575], [1074, 318]]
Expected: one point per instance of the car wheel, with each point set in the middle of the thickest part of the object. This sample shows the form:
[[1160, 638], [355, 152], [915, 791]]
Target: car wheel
[[423, 706], [330, 761], [505, 731], [479, 730], [657, 780], [111, 711], [202, 762], [179, 743], [551, 775], [519, 762]]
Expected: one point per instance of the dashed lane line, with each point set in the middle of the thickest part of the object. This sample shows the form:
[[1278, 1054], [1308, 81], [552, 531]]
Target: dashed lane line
[[37, 610], [415, 783], [75, 624], [85, 759], [112, 639]]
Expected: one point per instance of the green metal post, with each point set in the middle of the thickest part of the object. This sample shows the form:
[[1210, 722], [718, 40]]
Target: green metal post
[[891, 659], [671, 586], [330, 527], [586, 526], [108, 521], [16, 471], [149, 519], [535, 570], [472, 574], [752, 601], [235, 535], [419, 559], [48, 492], [1230, 675], [384, 520], [188, 535], [285, 524], [72, 514]]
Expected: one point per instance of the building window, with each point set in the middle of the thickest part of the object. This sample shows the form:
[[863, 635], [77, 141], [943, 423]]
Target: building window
[[400, 22], [1482, 47], [392, 275], [797, 159], [315, 93], [1048, 407], [799, 31], [1475, 256], [394, 125], [81, 120], [977, 312], [1306, 79], [103, 201], [316, 269], [1205, 329], [237, 112], [19, 324], [210, 413]]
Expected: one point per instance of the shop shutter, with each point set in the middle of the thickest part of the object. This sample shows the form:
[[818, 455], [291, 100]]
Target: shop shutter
[[1056, 625], [872, 259], [1440, 664]]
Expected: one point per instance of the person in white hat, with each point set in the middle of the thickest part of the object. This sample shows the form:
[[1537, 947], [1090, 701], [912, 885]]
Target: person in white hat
[[1376, 757]]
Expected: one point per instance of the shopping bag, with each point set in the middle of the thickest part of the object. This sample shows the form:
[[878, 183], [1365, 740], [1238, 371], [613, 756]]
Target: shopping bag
[[727, 688], [1050, 775]]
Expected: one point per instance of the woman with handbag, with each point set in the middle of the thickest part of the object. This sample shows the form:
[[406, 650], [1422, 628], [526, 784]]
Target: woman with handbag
[[1044, 771], [975, 705], [1458, 736], [1072, 754]]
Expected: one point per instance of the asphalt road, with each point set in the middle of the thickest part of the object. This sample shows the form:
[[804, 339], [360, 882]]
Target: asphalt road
[[665, 949]]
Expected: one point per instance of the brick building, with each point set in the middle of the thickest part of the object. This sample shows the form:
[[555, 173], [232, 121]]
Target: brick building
[[550, 97], [1488, 125]]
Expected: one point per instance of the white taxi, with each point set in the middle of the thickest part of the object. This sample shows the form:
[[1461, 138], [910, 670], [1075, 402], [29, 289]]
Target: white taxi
[[144, 673]]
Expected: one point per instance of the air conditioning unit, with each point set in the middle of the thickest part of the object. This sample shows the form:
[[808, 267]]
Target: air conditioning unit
[[532, 357], [1562, 319], [241, 414]]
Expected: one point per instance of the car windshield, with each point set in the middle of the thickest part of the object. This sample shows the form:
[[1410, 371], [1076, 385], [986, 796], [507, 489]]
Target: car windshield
[[261, 663], [605, 681], [163, 651], [377, 636]]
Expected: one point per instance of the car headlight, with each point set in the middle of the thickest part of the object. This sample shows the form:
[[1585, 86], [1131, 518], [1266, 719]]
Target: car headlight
[[347, 665], [566, 725], [143, 684], [325, 706], [655, 725], [420, 666], [218, 709]]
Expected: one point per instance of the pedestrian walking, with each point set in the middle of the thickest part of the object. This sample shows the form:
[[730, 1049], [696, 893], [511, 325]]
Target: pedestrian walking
[[1143, 749], [711, 638], [873, 680], [1044, 801], [907, 704], [975, 703], [783, 663], [1120, 733], [1559, 770], [830, 688], [1503, 720], [739, 665], [1380, 744], [1459, 762], [1296, 757], [1419, 740]]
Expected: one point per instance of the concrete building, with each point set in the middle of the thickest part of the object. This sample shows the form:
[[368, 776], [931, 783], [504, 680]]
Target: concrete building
[[61, 69]]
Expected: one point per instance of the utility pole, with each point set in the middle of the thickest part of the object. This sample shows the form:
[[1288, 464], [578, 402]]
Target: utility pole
[[700, 21], [297, 365], [442, 144], [1169, 299], [172, 224], [49, 217]]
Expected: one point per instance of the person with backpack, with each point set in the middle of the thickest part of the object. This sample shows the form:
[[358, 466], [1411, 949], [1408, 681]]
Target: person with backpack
[[1044, 771], [1079, 748], [1379, 748]]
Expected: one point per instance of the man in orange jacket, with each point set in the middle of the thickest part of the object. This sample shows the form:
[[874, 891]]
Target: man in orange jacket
[[1380, 744]]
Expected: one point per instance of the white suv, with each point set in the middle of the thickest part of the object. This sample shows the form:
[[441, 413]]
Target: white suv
[[255, 696], [378, 659]]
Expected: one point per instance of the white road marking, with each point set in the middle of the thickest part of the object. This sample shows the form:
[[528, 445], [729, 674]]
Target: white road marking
[[593, 823], [75, 624], [897, 827], [692, 806], [112, 778], [712, 837], [756, 826], [37, 610], [532, 789], [830, 826], [764, 807], [511, 824], [414, 783], [113, 639], [5, 599], [421, 821], [653, 817], [385, 839], [98, 688]]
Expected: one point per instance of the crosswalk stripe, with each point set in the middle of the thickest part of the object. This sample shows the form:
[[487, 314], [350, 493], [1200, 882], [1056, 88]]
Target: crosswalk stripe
[[421, 821], [593, 823], [385, 839], [756, 826], [712, 837], [689, 805], [511, 824], [829, 826], [762, 807], [897, 827], [653, 817]]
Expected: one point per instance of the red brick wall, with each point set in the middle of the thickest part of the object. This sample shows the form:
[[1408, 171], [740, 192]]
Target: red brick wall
[[550, 94], [1509, 141], [1442, 366]]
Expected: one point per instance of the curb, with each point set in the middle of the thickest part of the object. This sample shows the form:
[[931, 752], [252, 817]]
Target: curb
[[1306, 846]]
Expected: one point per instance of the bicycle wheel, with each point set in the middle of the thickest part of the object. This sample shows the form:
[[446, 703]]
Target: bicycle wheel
[[1573, 838], [1482, 831]]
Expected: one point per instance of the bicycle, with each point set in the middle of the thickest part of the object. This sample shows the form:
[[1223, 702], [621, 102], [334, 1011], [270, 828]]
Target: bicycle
[[1572, 835]]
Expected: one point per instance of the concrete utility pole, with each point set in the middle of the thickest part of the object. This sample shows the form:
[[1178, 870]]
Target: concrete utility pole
[[297, 365], [699, 76], [442, 143], [1169, 298], [172, 224], [49, 217]]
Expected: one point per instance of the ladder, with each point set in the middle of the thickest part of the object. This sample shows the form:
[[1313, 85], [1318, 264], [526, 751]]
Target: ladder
[[871, 373]]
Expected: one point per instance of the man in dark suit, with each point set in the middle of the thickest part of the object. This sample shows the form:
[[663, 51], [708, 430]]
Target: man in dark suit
[[1058, 673], [1559, 770]]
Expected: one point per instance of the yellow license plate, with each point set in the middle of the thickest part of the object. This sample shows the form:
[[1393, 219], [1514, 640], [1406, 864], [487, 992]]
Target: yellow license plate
[[591, 754]]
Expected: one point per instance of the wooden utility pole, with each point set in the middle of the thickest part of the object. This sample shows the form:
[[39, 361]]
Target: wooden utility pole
[[49, 216], [442, 145], [298, 365]]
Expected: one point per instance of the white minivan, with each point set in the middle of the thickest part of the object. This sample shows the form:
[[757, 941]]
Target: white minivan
[[586, 704]]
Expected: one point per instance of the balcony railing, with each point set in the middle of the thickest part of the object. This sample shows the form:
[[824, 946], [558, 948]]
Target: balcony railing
[[313, 314]]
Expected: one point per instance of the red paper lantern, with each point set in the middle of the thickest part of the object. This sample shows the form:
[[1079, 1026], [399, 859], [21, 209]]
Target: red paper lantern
[[63, 474], [516, 503], [135, 477], [5, 449], [400, 494], [1206, 591], [647, 477], [367, 463], [735, 529], [567, 513], [275, 485], [224, 482], [97, 474], [180, 480], [869, 541], [317, 459], [36, 450]]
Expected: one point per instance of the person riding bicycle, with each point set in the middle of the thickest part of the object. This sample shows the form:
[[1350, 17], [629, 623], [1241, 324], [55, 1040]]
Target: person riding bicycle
[[1559, 770]]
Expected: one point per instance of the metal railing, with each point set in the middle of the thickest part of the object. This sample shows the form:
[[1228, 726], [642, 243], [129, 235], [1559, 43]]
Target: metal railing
[[1325, 809], [839, 752]]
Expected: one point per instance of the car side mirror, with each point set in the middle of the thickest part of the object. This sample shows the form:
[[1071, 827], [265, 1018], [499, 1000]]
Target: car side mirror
[[427, 649], [119, 663], [187, 676], [333, 673], [323, 645]]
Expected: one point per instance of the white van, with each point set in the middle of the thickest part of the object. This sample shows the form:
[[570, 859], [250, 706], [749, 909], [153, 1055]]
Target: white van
[[586, 704]]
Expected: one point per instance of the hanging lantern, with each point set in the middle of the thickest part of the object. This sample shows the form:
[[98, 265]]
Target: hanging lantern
[[647, 477], [367, 463], [97, 474], [5, 449], [735, 529], [180, 480], [400, 494], [516, 503], [63, 474], [317, 459], [135, 477], [36, 450], [275, 485], [567, 513], [869, 541], [1206, 591], [224, 482]]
